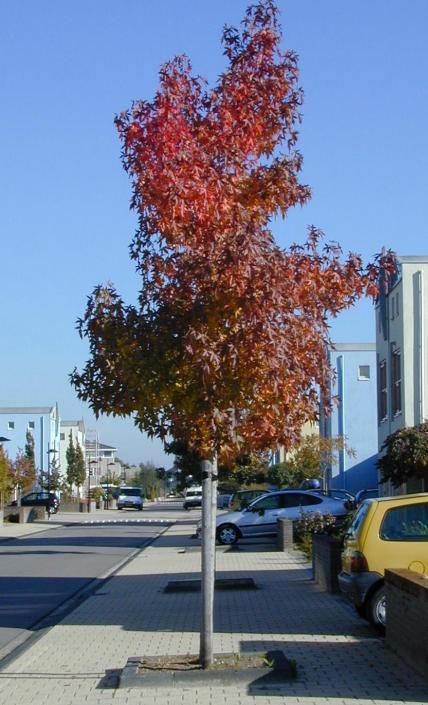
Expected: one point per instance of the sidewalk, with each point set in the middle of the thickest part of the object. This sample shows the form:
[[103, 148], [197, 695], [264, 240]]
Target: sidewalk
[[339, 659]]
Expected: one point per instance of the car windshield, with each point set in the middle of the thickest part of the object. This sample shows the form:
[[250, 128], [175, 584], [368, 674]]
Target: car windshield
[[131, 492], [193, 493]]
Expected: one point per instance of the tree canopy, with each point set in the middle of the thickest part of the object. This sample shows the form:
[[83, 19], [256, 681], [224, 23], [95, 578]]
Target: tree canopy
[[226, 348], [23, 472], [307, 460], [6, 479], [405, 455]]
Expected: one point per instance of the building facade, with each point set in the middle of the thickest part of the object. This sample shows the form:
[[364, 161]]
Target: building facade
[[353, 417], [280, 454], [78, 434], [43, 422], [402, 347], [100, 460]]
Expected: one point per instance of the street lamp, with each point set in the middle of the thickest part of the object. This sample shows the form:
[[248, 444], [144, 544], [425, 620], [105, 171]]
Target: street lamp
[[108, 483], [90, 473], [3, 440], [51, 451]]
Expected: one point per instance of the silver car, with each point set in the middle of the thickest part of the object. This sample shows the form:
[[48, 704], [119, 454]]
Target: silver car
[[261, 516]]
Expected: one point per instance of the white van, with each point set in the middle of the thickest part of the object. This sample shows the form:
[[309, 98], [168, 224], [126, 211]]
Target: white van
[[130, 497], [192, 497]]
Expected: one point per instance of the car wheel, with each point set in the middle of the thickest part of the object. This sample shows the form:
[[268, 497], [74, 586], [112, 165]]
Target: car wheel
[[119, 508], [140, 509], [376, 609], [227, 534]]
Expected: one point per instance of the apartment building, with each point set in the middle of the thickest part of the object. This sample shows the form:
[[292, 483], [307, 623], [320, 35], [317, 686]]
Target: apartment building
[[402, 346]]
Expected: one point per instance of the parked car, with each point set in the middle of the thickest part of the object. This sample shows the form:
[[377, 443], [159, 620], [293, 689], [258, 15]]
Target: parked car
[[223, 501], [130, 498], [242, 498], [387, 532], [192, 498], [261, 516], [365, 494], [347, 497], [49, 500]]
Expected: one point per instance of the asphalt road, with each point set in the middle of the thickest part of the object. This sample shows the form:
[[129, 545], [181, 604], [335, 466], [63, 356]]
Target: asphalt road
[[39, 572]]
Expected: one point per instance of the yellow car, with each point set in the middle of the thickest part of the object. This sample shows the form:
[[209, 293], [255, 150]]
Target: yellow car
[[386, 532]]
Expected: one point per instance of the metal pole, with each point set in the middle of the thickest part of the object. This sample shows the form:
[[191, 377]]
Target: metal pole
[[89, 490], [49, 482], [214, 485], [207, 567]]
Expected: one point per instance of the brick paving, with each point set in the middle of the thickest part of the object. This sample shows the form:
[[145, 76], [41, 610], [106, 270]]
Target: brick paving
[[340, 660]]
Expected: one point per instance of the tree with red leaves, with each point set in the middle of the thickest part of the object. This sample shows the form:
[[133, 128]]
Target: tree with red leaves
[[226, 349]]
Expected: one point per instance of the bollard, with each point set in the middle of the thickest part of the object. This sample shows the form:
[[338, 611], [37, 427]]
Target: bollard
[[285, 534]]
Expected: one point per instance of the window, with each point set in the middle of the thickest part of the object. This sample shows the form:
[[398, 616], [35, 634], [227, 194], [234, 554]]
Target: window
[[397, 311], [396, 381], [309, 499], [364, 372], [31, 425], [393, 307], [358, 519], [269, 502], [292, 499], [409, 523], [383, 391], [62, 436], [10, 425]]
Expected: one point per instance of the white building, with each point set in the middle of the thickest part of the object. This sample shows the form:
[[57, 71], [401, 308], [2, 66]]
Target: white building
[[402, 346], [77, 430], [43, 422], [100, 460]]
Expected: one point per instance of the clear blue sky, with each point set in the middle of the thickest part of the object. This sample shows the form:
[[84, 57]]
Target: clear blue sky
[[68, 67]]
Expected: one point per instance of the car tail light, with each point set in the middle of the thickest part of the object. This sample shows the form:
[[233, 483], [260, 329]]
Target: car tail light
[[358, 562]]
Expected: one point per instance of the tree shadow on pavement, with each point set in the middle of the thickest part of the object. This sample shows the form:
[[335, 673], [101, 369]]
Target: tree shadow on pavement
[[286, 602]]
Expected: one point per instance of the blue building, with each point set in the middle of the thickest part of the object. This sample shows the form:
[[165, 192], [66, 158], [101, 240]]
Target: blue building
[[43, 422], [354, 416]]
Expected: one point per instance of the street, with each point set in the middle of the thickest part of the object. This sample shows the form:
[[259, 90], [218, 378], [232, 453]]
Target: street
[[41, 571]]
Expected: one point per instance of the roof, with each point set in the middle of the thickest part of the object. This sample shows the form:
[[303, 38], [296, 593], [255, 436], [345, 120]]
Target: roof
[[100, 446], [413, 259], [26, 409], [353, 346], [400, 497], [80, 424]]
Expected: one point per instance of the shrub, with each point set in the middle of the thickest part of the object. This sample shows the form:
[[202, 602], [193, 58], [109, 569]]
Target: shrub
[[315, 523], [312, 523]]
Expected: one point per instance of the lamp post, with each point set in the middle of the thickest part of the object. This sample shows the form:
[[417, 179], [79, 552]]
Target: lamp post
[[90, 473], [3, 440], [51, 451], [108, 483]]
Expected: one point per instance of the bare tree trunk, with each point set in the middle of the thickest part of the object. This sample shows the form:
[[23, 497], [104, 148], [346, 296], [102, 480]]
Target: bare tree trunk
[[207, 567]]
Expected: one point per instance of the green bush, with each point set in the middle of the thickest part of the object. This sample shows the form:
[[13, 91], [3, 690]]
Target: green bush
[[312, 523]]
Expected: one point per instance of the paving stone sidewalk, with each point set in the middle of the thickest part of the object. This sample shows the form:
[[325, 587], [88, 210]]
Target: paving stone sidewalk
[[340, 660]]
